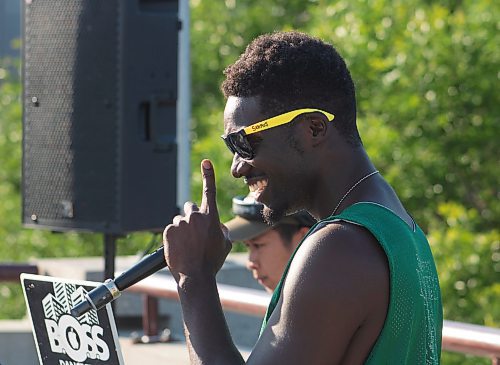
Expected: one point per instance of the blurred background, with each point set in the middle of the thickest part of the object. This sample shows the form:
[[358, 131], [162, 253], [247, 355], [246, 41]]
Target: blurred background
[[427, 76]]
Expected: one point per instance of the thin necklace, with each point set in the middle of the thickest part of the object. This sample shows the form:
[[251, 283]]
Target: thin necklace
[[352, 188]]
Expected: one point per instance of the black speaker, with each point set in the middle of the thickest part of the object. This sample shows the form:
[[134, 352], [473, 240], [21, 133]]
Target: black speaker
[[99, 114]]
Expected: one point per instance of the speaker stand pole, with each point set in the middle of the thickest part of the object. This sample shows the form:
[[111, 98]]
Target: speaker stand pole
[[109, 255]]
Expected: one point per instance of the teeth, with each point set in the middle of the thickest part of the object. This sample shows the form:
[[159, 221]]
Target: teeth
[[258, 186]]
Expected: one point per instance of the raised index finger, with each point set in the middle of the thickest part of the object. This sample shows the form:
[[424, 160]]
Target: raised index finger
[[208, 197]]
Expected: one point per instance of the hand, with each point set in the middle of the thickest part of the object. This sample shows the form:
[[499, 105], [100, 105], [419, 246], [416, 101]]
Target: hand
[[197, 243]]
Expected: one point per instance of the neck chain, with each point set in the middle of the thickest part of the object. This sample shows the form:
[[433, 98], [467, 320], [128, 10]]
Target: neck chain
[[352, 188]]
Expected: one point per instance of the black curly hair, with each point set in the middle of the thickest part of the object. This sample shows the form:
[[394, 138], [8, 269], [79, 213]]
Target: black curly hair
[[291, 70]]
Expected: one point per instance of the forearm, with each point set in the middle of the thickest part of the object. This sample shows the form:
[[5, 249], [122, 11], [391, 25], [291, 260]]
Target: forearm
[[207, 335]]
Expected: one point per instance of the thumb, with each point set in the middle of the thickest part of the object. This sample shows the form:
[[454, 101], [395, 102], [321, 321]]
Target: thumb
[[208, 197]]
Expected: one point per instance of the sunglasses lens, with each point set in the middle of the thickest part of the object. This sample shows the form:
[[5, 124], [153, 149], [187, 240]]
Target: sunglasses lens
[[239, 144]]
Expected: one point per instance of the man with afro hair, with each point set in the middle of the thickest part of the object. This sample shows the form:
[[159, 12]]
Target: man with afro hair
[[362, 287]]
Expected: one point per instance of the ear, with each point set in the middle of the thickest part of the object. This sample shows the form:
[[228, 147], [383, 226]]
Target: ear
[[318, 125]]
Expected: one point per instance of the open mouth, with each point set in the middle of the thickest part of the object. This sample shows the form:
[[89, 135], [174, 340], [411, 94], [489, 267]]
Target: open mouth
[[257, 186]]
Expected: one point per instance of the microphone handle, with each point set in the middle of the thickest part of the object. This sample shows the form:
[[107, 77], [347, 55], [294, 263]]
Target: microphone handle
[[147, 266], [108, 291]]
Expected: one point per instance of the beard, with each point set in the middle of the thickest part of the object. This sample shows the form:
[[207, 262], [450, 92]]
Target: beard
[[272, 216], [294, 194], [283, 205]]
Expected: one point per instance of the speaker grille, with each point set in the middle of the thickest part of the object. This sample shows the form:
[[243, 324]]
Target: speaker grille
[[70, 111], [100, 91]]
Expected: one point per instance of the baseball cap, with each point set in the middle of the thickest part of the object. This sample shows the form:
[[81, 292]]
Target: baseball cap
[[248, 222]]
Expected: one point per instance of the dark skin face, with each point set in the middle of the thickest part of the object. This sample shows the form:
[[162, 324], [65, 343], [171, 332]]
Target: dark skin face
[[281, 173], [312, 173]]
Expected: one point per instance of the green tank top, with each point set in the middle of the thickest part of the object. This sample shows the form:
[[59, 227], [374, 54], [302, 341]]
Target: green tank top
[[412, 328]]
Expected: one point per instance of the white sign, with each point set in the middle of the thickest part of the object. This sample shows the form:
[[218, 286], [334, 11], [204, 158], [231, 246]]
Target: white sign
[[62, 339]]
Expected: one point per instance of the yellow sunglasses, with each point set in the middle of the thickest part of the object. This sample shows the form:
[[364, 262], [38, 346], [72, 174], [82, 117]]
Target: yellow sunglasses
[[238, 143]]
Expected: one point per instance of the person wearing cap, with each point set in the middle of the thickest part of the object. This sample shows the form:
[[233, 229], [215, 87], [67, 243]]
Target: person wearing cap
[[269, 247]]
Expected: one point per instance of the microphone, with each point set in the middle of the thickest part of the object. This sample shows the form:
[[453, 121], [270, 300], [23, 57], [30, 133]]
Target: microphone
[[111, 289]]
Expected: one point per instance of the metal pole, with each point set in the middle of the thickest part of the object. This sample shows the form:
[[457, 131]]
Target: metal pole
[[12, 271], [150, 315], [183, 107], [109, 255]]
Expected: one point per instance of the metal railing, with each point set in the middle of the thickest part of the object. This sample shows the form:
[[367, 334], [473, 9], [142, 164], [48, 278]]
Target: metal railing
[[472, 339], [457, 337]]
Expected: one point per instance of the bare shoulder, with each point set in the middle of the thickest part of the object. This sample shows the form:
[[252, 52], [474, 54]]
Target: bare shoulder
[[334, 299], [340, 258], [340, 248]]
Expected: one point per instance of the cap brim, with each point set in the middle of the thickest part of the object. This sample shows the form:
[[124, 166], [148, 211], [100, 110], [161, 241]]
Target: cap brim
[[241, 229]]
